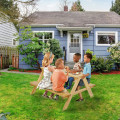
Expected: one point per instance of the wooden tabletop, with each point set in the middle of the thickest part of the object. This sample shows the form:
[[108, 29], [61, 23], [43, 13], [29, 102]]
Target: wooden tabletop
[[75, 75]]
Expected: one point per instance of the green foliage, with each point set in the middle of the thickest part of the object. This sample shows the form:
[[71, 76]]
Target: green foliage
[[102, 65], [116, 6], [10, 8], [32, 48], [93, 56], [115, 52], [53, 45], [77, 6], [12, 68]]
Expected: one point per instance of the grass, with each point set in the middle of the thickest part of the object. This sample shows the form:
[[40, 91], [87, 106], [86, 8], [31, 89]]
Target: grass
[[15, 98]]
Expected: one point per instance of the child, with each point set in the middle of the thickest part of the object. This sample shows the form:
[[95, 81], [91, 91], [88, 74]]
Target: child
[[58, 77], [76, 68], [46, 82], [86, 73]]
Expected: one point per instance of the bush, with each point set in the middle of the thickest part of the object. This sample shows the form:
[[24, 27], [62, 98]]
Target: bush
[[102, 65], [93, 56], [53, 45], [12, 68]]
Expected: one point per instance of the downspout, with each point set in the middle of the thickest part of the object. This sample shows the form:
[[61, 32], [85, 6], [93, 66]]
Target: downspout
[[93, 38]]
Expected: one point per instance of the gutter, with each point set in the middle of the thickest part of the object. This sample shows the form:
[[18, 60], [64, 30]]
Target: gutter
[[104, 25], [73, 28], [45, 25]]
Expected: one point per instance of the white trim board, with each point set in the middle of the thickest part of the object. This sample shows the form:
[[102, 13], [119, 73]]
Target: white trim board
[[96, 37]]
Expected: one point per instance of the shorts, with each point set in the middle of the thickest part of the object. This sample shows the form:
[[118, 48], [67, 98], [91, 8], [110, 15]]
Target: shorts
[[81, 83]]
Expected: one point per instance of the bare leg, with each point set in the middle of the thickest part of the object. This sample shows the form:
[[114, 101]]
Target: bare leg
[[45, 93], [80, 94]]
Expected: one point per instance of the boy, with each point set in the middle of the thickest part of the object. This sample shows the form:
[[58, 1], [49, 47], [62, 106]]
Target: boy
[[76, 68], [86, 73], [58, 77]]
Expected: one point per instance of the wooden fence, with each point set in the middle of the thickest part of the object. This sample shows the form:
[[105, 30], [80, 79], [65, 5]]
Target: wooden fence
[[6, 56], [15, 61], [4, 61]]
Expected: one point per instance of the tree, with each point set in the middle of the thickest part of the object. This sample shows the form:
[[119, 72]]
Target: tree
[[32, 48], [10, 8], [116, 6], [76, 6], [54, 47], [16, 10]]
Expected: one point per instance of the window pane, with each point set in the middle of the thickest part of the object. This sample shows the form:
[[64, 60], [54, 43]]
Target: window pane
[[14, 42], [39, 35], [111, 39], [106, 39], [48, 36]]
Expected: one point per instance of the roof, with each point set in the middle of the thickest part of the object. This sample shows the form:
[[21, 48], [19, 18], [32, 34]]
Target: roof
[[72, 19]]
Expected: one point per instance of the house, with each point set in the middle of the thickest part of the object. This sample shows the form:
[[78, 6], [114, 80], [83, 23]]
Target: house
[[102, 29], [7, 31]]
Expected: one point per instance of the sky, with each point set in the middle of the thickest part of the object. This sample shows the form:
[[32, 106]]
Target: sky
[[88, 5]]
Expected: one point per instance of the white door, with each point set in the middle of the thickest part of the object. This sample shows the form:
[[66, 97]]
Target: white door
[[74, 45]]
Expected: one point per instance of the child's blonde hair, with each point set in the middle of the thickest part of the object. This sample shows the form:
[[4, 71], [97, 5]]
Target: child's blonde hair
[[47, 56]]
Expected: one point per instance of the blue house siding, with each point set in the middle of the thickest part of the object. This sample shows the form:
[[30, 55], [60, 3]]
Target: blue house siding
[[62, 40], [90, 43]]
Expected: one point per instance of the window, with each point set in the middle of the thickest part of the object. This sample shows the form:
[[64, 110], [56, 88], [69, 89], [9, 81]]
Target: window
[[104, 38], [44, 35], [14, 42]]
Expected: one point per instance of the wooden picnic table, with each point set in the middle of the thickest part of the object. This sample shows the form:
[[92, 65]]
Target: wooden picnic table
[[74, 90]]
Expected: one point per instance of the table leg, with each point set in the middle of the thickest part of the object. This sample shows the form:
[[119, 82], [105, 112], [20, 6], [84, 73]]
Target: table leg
[[87, 87], [72, 92]]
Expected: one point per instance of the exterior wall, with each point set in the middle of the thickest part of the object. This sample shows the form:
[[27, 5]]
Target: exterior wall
[[7, 31], [90, 43], [63, 42]]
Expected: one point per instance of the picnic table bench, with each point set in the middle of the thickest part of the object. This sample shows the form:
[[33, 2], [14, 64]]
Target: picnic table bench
[[70, 94]]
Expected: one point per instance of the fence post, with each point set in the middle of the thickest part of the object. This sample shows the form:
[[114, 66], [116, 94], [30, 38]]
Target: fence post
[[1, 61]]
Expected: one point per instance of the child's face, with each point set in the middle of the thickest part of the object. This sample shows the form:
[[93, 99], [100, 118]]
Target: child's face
[[86, 59], [76, 58], [61, 65]]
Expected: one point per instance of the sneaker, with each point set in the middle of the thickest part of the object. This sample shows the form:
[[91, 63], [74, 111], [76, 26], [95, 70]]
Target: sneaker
[[50, 97], [68, 87], [65, 86], [56, 97], [79, 99], [45, 96]]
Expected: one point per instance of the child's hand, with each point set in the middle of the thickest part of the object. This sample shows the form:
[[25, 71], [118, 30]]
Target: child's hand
[[67, 68], [83, 76], [51, 68]]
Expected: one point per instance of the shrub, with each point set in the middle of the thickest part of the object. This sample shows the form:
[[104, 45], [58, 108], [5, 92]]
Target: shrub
[[53, 45], [102, 65], [93, 56], [12, 68], [115, 52]]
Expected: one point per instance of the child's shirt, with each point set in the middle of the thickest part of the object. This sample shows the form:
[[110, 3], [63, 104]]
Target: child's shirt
[[58, 79], [76, 66], [87, 69]]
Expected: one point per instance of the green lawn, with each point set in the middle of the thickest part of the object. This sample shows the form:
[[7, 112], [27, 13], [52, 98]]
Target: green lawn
[[15, 98]]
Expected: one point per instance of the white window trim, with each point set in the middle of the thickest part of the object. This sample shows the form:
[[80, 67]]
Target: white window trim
[[116, 37], [46, 32]]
